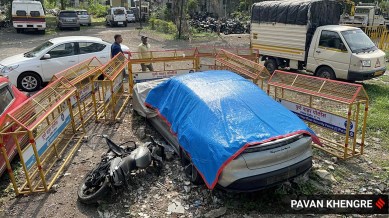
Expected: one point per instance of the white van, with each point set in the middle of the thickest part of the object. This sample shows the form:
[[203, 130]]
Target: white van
[[28, 15], [303, 34], [116, 16]]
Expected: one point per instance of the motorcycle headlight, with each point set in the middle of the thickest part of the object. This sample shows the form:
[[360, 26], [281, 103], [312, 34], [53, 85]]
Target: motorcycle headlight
[[8, 69], [366, 63]]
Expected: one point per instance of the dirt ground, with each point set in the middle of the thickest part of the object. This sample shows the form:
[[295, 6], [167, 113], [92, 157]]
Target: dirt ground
[[150, 195]]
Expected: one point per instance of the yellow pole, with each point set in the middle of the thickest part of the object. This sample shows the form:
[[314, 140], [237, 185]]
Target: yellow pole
[[347, 131], [71, 115], [38, 161], [364, 126], [356, 128], [81, 115], [8, 165]]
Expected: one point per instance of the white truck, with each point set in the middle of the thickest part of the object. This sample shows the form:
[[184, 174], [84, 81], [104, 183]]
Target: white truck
[[28, 15], [365, 15], [303, 34]]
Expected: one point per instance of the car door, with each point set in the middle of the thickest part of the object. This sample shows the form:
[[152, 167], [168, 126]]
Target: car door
[[331, 51], [61, 57], [94, 49]]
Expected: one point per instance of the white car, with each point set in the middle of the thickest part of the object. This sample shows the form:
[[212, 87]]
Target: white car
[[130, 17], [29, 70]]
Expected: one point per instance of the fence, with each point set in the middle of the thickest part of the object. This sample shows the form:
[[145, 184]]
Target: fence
[[331, 108], [43, 128]]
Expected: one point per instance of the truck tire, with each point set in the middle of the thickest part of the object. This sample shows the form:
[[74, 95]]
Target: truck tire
[[271, 65], [325, 72]]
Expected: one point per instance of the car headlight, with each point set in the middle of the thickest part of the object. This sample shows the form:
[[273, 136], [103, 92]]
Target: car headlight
[[8, 69], [366, 63]]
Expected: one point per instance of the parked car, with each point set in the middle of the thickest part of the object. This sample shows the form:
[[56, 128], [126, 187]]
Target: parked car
[[10, 98], [226, 130], [29, 70], [28, 15], [84, 18], [68, 19], [130, 17], [116, 16]]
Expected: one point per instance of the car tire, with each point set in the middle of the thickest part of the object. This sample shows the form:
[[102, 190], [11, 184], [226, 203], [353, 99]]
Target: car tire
[[78, 28], [89, 24], [190, 170], [326, 72], [125, 24], [29, 82], [271, 65], [18, 31]]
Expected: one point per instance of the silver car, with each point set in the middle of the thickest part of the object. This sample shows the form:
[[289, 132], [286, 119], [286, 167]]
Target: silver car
[[257, 167], [68, 19], [84, 18]]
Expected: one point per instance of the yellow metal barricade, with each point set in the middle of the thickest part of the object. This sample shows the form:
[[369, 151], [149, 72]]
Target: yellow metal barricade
[[111, 89], [165, 64], [44, 131], [375, 33], [245, 67], [335, 110], [208, 54], [384, 42], [82, 77]]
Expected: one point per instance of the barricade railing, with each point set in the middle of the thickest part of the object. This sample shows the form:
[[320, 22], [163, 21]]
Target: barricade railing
[[44, 130], [165, 64], [169, 63], [245, 67], [82, 77], [208, 54], [384, 41], [109, 78], [375, 33], [336, 111]]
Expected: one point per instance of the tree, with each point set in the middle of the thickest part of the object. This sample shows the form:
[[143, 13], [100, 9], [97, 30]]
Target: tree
[[192, 6]]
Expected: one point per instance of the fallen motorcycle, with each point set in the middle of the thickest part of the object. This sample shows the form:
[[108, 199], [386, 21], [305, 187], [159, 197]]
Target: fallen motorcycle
[[115, 168]]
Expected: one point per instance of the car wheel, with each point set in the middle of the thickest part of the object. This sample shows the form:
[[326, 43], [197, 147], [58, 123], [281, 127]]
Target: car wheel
[[326, 72], [125, 24], [29, 82], [271, 65], [89, 24], [78, 28], [190, 170], [18, 31]]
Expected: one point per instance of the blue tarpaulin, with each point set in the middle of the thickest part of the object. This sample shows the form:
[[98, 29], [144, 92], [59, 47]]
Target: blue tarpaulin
[[217, 114]]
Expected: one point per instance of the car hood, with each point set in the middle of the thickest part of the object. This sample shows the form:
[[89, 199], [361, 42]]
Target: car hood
[[16, 59], [124, 48]]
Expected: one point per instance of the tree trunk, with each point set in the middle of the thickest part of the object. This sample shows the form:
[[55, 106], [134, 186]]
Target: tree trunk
[[182, 27]]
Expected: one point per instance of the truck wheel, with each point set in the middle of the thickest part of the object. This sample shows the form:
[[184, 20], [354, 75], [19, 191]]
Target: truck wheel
[[326, 72], [271, 65]]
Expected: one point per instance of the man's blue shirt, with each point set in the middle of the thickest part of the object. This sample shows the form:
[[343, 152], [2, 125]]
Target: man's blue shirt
[[115, 49]]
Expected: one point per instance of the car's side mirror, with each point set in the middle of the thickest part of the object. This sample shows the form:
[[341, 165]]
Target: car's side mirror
[[46, 56]]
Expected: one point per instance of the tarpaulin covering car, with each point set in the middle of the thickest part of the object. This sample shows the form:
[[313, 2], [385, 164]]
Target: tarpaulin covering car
[[216, 115]]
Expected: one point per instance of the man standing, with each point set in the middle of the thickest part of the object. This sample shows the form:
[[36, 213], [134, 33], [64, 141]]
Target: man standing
[[144, 50], [115, 47]]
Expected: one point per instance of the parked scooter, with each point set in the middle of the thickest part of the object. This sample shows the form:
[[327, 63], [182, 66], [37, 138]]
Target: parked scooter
[[115, 168]]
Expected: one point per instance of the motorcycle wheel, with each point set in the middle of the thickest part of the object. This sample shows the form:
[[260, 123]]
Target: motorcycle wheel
[[91, 196]]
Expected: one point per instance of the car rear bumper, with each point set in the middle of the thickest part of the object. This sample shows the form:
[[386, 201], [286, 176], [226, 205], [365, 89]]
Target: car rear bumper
[[84, 21], [266, 180]]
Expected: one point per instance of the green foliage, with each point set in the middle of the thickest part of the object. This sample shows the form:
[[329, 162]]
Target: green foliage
[[50, 4], [162, 26], [192, 6], [162, 13], [98, 10]]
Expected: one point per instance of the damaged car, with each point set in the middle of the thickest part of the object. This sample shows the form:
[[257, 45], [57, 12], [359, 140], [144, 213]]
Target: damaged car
[[227, 132]]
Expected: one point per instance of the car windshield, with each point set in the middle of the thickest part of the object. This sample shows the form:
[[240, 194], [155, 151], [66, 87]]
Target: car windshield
[[38, 49], [118, 11], [358, 41], [68, 14], [5, 98]]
